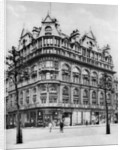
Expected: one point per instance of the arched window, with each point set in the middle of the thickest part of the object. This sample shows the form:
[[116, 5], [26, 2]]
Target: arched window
[[76, 75], [93, 95], [85, 97], [101, 98], [85, 94], [94, 79], [94, 98], [66, 72], [65, 93], [86, 77], [76, 96], [48, 30]]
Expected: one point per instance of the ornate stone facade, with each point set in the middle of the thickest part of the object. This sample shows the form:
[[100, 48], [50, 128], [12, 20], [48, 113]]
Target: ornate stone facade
[[64, 77]]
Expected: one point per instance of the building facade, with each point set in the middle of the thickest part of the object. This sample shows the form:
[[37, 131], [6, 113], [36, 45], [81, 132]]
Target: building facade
[[64, 73]]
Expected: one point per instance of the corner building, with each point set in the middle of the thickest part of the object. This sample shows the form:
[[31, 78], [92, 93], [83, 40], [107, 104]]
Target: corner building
[[64, 73]]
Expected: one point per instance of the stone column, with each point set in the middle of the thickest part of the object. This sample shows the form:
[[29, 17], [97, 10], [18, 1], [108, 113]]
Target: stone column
[[60, 94], [47, 100], [71, 74], [30, 96], [81, 90], [80, 95], [72, 88], [60, 42], [38, 71], [60, 71], [42, 42], [24, 97], [38, 95], [98, 92], [36, 118], [90, 95], [53, 40]]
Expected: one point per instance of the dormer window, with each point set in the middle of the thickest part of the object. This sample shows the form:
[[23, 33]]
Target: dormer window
[[48, 30]]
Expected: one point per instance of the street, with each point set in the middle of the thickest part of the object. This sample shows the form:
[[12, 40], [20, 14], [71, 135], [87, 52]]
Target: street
[[72, 136]]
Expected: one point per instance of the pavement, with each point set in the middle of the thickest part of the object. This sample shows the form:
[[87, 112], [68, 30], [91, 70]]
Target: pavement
[[90, 135]]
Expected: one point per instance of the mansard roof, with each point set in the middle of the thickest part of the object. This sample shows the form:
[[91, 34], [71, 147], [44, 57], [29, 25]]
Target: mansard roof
[[88, 40]]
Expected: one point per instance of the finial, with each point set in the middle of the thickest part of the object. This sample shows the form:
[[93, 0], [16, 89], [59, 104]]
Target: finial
[[48, 13], [90, 29], [50, 9]]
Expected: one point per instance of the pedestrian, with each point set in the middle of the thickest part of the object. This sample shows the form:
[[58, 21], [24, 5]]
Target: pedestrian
[[86, 123], [50, 126], [61, 126]]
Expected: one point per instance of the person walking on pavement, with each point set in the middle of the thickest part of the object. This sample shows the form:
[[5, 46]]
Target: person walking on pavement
[[61, 126], [50, 126]]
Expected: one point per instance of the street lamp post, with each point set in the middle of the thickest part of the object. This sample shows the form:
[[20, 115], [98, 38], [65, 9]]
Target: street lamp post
[[106, 85], [107, 120]]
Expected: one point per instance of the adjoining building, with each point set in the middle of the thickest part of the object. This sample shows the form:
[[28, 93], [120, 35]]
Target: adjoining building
[[64, 76]]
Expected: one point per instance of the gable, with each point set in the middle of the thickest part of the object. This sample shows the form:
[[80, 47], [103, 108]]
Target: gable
[[47, 19]]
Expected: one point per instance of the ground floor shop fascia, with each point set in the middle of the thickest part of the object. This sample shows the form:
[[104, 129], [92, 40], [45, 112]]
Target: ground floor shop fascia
[[40, 117]]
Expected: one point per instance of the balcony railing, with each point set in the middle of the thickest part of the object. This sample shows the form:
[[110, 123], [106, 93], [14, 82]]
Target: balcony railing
[[54, 48]]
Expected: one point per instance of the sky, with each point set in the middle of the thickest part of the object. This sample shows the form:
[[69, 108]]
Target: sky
[[101, 19]]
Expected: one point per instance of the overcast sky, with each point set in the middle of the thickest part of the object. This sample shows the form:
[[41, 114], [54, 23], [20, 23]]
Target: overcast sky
[[102, 19]]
